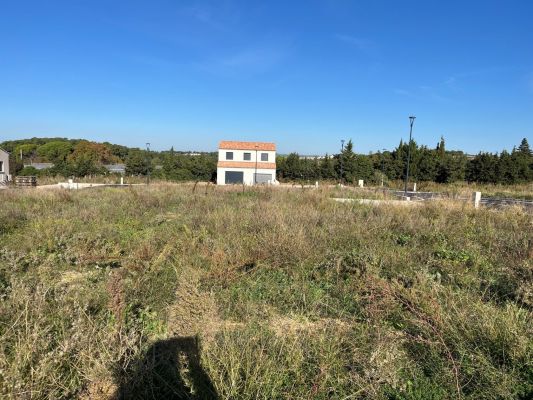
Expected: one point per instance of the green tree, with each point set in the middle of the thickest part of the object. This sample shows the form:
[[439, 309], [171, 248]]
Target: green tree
[[428, 164], [399, 156], [88, 158], [291, 167], [363, 168], [451, 167], [524, 147], [327, 168], [85, 167], [137, 162], [29, 171], [506, 169], [56, 151], [121, 152], [203, 167], [28, 151], [523, 162], [347, 161], [483, 168], [441, 147]]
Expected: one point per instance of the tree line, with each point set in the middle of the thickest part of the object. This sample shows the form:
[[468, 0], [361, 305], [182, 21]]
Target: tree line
[[426, 164], [73, 157], [80, 158]]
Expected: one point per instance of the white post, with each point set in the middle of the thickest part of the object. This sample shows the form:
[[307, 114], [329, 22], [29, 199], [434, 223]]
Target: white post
[[361, 183], [477, 199], [414, 187], [122, 180], [70, 184], [316, 184]]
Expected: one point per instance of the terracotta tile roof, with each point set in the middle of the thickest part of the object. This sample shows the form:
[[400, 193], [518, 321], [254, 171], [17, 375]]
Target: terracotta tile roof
[[232, 145], [245, 164]]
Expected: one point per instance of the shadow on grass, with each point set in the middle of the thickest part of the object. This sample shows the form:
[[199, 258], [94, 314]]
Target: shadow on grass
[[170, 369]]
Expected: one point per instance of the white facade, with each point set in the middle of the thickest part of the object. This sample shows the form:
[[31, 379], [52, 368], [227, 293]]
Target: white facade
[[246, 163], [238, 155], [4, 167], [248, 175]]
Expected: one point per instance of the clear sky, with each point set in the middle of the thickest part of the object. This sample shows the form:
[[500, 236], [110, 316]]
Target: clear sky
[[303, 74]]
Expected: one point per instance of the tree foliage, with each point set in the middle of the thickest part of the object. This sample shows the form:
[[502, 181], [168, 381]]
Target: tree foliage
[[82, 157]]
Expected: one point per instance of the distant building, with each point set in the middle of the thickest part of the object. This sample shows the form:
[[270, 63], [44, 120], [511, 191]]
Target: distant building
[[307, 157], [116, 168], [246, 163], [39, 166], [4, 167]]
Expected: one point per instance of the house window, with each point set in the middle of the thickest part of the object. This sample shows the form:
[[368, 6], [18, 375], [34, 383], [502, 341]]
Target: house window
[[264, 156], [247, 156], [1, 166], [229, 155]]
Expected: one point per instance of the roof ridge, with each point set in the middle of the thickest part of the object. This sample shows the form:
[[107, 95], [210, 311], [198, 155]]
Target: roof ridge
[[243, 145]]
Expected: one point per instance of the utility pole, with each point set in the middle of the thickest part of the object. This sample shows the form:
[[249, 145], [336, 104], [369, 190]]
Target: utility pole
[[411, 122], [342, 157], [255, 175], [147, 163]]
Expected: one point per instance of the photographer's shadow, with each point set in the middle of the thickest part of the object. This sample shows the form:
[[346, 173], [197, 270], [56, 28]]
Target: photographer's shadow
[[170, 369]]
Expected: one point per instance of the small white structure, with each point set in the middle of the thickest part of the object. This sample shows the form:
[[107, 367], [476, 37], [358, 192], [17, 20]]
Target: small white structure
[[477, 199], [116, 168], [39, 166], [247, 163], [4, 167]]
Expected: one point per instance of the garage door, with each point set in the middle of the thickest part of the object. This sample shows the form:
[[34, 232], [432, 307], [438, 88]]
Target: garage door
[[263, 178], [233, 177]]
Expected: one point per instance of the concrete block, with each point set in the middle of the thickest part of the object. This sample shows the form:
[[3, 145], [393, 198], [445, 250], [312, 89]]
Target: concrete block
[[477, 199]]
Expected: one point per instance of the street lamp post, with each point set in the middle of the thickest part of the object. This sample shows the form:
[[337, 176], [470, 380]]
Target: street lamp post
[[148, 163], [342, 157], [382, 166], [411, 122]]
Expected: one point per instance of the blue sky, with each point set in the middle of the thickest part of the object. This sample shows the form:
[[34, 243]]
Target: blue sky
[[303, 74]]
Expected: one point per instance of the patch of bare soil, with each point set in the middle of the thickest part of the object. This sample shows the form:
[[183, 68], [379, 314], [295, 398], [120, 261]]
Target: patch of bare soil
[[100, 390]]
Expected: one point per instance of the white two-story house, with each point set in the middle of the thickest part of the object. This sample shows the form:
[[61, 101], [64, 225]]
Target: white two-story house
[[4, 167], [246, 163]]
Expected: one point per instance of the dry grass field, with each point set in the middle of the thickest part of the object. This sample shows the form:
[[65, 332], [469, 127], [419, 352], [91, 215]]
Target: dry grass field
[[159, 293]]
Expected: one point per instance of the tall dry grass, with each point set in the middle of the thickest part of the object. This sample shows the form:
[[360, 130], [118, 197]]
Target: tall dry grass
[[266, 293]]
